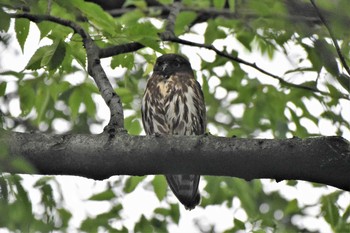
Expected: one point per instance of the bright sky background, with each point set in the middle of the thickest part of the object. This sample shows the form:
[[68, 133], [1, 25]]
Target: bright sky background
[[77, 190]]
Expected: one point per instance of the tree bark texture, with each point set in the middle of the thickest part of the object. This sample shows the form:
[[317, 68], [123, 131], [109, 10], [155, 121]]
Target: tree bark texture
[[323, 160]]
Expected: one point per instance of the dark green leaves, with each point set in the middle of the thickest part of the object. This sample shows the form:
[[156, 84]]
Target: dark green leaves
[[81, 94], [50, 56], [2, 88], [4, 22]]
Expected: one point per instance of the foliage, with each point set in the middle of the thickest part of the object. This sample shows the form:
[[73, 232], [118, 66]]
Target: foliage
[[54, 87]]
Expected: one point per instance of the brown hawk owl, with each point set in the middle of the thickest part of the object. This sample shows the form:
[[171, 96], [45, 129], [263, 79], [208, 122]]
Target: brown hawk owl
[[173, 104]]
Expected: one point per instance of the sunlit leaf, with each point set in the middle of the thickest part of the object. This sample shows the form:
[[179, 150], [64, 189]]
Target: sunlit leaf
[[160, 187], [103, 196], [132, 182]]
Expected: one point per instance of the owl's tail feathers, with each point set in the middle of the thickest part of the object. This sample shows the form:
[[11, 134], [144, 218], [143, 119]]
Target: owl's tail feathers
[[185, 188]]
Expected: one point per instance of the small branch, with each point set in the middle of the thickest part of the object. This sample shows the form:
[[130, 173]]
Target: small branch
[[211, 12], [120, 49], [39, 18], [323, 160], [95, 69], [252, 65], [336, 45]]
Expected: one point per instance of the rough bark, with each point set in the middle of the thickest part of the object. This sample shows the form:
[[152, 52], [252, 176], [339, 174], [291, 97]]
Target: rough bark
[[323, 160]]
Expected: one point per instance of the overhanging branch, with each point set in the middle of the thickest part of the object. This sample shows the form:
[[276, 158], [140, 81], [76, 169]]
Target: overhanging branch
[[323, 160], [95, 68]]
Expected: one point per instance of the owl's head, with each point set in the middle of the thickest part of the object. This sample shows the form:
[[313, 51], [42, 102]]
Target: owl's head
[[169, 64]]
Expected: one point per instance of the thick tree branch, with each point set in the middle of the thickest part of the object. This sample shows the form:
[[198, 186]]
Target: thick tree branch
[[95, 69], [324, 160]]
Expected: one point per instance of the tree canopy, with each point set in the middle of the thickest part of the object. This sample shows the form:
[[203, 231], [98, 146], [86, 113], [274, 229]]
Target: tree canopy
[[268, 69]]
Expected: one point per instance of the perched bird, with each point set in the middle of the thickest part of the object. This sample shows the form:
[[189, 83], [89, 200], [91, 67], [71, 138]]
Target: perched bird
[[173, 104]]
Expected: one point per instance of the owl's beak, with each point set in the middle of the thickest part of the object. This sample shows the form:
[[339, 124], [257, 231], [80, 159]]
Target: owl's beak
[[164, 66]]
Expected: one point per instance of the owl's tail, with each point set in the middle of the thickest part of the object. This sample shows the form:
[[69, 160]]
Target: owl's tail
[[185, 188]]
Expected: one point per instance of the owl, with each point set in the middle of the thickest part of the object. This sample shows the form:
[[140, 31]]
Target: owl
[[173, 104]]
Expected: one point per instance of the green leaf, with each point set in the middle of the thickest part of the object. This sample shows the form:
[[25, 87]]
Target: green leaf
[[89, 104], [103, 196], [21, 165], [143, 225], [138, 3], [43, 181], [74, 102], [35, 61], [213, 32], [41, 102], [160, 187], [292, 207], [125, 94], [96, 15], [2, 88], [22, 30], [27, 98], [330, 210], [132, 124], [166, 2], [54, 56], [4, 22], [132, 182], [238, 224], [219, 4], [78, 52], [175, 212], [123, 60], [183, 20]]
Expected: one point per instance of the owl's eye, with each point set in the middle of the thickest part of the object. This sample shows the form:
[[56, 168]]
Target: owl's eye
[[176, 64]]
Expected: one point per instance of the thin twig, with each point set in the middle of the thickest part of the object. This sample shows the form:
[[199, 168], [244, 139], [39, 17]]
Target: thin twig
[[212, 12], [253, 65], [336, 45]]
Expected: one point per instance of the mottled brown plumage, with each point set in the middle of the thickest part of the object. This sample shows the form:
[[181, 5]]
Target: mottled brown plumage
[[173, 104]]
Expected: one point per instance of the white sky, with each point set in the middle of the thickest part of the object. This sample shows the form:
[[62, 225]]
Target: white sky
[[77, 190]]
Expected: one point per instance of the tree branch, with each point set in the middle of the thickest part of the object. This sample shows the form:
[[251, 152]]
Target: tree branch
[[323, 160], [120, 49], [207, 13], [254, 66], [95, 69], [331, 34]]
